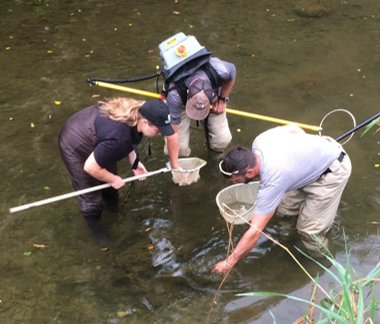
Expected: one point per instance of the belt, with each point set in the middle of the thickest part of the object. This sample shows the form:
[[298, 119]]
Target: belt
[[340, 159]]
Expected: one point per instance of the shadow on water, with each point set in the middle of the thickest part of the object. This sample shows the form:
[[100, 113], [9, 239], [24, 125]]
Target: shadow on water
[[295, 60]]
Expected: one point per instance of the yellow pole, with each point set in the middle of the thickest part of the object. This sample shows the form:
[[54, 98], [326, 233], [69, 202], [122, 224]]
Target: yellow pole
[[273, 120], [228, 110]]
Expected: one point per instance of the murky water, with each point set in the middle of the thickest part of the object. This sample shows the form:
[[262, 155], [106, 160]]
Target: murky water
[[289, 65]]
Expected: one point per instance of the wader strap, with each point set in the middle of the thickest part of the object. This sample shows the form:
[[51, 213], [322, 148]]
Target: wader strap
[[137, 160], [205, 123]]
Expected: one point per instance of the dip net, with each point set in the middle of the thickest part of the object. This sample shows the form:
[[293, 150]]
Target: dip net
[[190, 170], [240, 200]]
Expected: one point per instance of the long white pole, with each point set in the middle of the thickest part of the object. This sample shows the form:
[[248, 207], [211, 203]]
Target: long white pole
[[83, 191]]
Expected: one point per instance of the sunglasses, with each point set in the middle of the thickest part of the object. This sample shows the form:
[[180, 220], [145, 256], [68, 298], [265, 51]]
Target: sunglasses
[[230, 174]]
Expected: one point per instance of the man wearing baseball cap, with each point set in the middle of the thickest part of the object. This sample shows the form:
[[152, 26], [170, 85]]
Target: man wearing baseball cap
[[203, 102]]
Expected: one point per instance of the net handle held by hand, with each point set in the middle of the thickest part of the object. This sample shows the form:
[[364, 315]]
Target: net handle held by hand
[[83, 191]]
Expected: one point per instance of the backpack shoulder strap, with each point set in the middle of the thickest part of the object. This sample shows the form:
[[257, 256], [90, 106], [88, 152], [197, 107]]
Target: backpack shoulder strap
[[215, 79]]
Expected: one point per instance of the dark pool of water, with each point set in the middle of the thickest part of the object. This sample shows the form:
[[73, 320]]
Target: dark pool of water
[[290, 64]]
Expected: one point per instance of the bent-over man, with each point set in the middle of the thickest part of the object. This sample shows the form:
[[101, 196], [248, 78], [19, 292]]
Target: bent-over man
[[301, 175]]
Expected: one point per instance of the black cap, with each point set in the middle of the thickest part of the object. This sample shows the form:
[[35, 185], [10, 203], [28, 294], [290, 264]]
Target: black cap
[[157, 113]]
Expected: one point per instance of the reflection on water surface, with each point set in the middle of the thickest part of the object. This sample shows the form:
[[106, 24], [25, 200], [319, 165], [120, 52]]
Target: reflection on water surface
[[291, 63]]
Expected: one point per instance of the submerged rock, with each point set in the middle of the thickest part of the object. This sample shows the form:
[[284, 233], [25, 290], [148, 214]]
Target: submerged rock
[[311, 8]]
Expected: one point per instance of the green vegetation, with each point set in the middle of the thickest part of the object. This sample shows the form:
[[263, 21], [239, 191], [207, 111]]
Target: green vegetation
[[354, 302], [373, 123]]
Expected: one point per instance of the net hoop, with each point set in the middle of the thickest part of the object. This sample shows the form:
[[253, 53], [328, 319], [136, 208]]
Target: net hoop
[[241, 193]]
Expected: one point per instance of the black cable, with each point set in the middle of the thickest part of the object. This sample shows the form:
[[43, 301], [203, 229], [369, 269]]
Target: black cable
[[147, 77]]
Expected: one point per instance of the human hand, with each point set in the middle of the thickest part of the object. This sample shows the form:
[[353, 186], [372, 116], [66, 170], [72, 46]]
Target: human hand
[[117, 182], [140, 170], [219, 107], [221, 267]]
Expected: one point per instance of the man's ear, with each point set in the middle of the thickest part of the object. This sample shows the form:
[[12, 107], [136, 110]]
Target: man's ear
[[250, 173]]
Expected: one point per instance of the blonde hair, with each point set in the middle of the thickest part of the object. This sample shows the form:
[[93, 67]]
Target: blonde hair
[[125, 110]]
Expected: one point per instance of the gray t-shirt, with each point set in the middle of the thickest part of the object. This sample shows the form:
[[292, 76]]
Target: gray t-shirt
[[290, 161], [226, 71]]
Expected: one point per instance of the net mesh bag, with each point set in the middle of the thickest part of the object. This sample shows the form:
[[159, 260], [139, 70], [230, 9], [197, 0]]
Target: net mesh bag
[[241, 199], [190, 170]]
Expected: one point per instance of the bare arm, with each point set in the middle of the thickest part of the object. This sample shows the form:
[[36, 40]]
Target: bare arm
[[140, 167], [95, 170], [246, 244], [173, 147], [220, 106]]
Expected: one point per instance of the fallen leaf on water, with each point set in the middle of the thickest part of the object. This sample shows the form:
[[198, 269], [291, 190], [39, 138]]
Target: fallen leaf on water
[[95, 95], [49, 52], [27, 253], [122, 314], [176, 12], [57, 103], [31, 125], [40, 246], [150, 51], [150, 246], [148, 229], [8, 48], [104, 249], [46, 188]]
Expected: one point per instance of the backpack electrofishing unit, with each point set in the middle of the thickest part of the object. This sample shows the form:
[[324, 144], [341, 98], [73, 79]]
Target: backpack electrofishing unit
[[182, 56]]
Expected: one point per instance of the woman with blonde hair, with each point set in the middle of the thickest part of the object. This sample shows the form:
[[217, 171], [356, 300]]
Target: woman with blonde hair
[[94, 139]]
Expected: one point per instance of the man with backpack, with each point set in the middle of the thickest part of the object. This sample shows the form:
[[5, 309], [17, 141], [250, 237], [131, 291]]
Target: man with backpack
[[203, 82]]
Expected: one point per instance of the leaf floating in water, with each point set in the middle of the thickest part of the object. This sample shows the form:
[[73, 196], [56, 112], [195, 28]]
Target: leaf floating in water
[[49, 51], [176, 12], [148, 229], [27, 253], [46, 188], [40, 246], [95, 95], [57, 102], [150, 246], [122, 314], [377, 165], [7, 48], [32, 125]]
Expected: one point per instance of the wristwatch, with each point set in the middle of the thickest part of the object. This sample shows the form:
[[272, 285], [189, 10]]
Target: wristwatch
[[224, 99]]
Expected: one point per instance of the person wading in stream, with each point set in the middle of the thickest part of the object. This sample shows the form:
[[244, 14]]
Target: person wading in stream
[[301, 175], [197, 92], [95, 138]]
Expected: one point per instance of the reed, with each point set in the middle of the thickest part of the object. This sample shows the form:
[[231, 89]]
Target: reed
[[355, 301]]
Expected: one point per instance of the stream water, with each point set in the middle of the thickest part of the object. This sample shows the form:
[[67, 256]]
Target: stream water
[[295, 60]]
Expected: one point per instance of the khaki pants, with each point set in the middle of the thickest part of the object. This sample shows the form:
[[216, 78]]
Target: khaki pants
[[219, 135], [315, 205]]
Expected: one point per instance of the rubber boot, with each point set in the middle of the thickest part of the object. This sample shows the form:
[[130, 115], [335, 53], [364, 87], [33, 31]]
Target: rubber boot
[[94, 223]]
